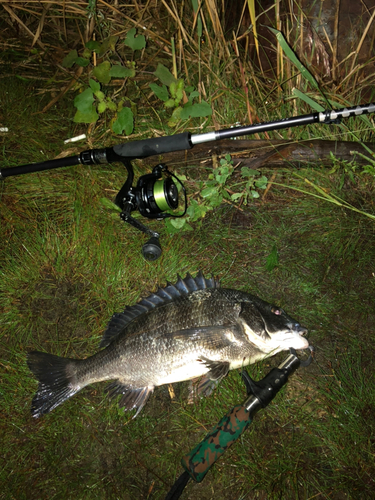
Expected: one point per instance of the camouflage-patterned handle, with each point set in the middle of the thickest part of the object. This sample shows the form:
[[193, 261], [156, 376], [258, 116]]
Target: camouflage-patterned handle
[[198, 462]]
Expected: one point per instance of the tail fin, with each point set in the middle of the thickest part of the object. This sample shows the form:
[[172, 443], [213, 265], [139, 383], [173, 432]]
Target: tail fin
[[56, 377]]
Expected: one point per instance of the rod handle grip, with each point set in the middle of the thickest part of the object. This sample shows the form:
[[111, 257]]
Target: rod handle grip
[[154, 146], [198, 462]]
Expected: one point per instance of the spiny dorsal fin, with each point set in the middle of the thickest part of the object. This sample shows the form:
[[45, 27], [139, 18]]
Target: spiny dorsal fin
[[171, 292]]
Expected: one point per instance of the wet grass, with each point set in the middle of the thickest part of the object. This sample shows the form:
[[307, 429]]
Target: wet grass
[[67, 265]]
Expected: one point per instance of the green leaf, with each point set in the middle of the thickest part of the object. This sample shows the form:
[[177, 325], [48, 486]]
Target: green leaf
[[179, 95], [164, 75], [193, 94], [118, 71], [112, 106], [208, 191], [109, 204], [101, 72], [125, 121], [236, 196], [70, 59], [84, 101], [261, 183], [102, 106], [178, 223], [135, 43], [88, 116], [199, 20], [99, 95], [272, 259], [196, 211], [175, 226], [175, 117], [196, 110], [169, 103], [93, 45], [95, 86], [81, 61], [170, 227], [313, 104], [173, 89], [294, 59], [249, 172], [161, 92], [108, 44], [215, 200], [221, 178]]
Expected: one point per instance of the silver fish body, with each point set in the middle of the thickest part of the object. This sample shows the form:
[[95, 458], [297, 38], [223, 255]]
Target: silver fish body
[[184, 331]]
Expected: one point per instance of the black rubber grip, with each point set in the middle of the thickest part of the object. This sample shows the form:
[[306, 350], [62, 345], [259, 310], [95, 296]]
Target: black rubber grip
[[155, 146], [38, 167]]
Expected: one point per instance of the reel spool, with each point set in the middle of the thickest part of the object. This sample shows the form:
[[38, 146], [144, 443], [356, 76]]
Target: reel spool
[[155, 195]]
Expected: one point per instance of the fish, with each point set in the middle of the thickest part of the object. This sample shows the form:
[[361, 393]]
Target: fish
[[191, 330]]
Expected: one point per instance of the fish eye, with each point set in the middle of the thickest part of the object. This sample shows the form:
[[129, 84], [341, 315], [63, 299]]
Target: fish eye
[[276, 311]]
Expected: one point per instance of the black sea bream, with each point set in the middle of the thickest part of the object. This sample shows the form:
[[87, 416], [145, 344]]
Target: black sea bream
[[184, 331]]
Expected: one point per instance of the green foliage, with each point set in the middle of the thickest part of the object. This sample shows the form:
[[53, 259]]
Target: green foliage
[[95, 100], [272, 259], [290, 54], [70, 59], [161, 92], [218, 187], [164, 75], [176, 96], [135, 43], [101, 72], [86, 112], [345, 167], [124, 122], [118, 71], [370, 167], [184, 102]]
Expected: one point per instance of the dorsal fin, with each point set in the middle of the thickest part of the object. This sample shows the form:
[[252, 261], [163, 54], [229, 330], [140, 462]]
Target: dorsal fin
[[171, 292]]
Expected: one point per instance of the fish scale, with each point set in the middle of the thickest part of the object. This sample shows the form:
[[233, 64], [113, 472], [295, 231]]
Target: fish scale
[[191, 329]]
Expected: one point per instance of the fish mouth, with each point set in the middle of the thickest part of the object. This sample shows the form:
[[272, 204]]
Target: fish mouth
[[300, 342], [293, 337], [299, 336], [301, 330]]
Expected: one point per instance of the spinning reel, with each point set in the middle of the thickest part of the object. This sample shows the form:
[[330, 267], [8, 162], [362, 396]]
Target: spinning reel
[[153, 197]]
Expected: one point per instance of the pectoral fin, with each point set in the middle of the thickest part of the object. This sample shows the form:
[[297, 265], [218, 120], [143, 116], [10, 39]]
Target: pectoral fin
[[218, 369], [204, 386]]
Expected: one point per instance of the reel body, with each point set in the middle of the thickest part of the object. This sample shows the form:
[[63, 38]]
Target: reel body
[[152, 197]]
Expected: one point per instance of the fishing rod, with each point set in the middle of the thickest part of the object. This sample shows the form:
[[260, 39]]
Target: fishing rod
[[232, 425], [155, 196]]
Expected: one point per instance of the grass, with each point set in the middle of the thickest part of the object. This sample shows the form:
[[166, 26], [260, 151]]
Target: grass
[[67, 264]]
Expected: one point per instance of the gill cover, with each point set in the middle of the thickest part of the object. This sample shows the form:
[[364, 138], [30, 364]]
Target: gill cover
[[270, 328]]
